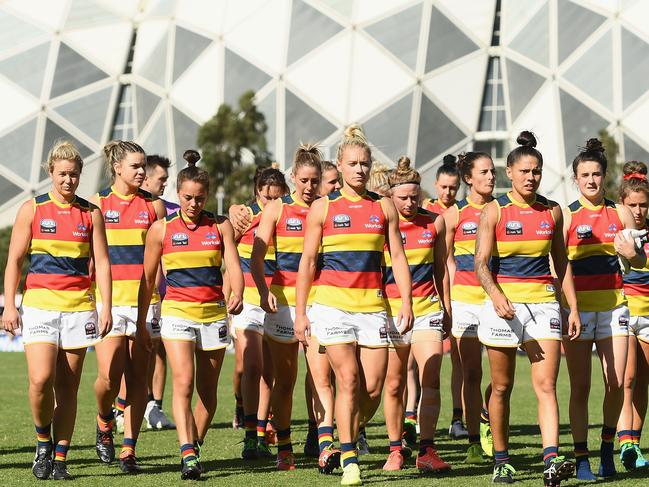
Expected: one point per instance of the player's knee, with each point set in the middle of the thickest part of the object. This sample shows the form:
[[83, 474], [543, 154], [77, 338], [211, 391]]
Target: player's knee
[[40, 383]]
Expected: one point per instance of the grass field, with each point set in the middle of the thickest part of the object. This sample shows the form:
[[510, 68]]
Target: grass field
[[158, 451]]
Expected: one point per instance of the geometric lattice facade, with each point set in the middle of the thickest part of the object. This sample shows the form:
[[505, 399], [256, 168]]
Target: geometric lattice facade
[[424, 77]]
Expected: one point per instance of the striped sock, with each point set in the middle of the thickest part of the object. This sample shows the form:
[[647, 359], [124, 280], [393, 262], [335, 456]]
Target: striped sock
[[549, 453], [261, 430], [250, 424], [44, 435], [625, 436], [105, 423], [61, 452], [128, 447], [395, 446], [325, 437], [473, 439], [501, 456], [120, 405], [284, 440], [484, 416], [581, 451], [424, 445], [636, 436], [348, 453], [411, 416], [458, 413], [187, 452], [606, 447]]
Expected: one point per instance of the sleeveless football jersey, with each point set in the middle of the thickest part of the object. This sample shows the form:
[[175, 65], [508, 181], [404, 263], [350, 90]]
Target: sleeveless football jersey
[[434, 206]]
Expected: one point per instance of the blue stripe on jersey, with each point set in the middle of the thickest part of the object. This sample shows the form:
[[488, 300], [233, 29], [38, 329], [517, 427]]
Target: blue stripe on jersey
[[636, 277], [48, 264], [419, 273], [464, 262], [269, 266], [194, 277], [352, 260], [595, 265], [126, 254], [288, 261], [520, 266]]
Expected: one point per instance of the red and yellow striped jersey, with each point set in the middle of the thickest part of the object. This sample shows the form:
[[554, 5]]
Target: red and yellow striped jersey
[[58, 278], [466, 288], [636, 287], [127, 220], [596, 271], [520, 258], [353, 238], [191, 258], [434, 206], [418, 238]]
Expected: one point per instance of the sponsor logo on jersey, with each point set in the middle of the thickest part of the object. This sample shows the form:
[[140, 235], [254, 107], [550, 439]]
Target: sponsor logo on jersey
[[435, 323], [91, 329], [612, 230], [142, 218], [545, 228], [294, 224], [48, 225], [375, 222], [342, 221], [223, 332], [383, 333], [555, 324], [111, 216], [427, 237], [81, 231], [513, 227], [179, 239], [212, 239], [469, 228], [584, 231]]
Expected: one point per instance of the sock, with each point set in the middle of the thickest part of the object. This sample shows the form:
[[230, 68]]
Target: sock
[[581, 451], [250, 424], [158, 402], [187, 452], [549, 453], [457, 414], [636, 436], [395, 446], [484, 416], [361, 431], [624, 437], [61, 452], [474, 439], [105, 423], [348, 453], [313, 426], [238, 401], [261, 430], [411, 416], [44, 435], [150, 397], [128, 447], [606, 447], [424, 445], [325, 437], [284, 440], [501, 456], [120, 405]]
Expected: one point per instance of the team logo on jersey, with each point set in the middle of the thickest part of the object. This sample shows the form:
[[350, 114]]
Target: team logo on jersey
[[427, 234], [212, 239], [91, 330], [375, 222], [82, 231], [342, 221], [545, 228], [383, 333], [142, 218], [111, 216], [584, 231], [155, 324], [179, 239], [612, 230], [403, 238], [469, 228], [48, 226], [294, 224], [223, 332], [555, 324], [513, 227]]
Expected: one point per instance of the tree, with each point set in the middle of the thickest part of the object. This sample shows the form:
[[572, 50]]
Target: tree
[[613, 170], [229, 142]]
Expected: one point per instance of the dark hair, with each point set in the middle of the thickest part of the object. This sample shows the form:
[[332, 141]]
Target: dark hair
[[634, 179], [526, 147], [270, 176], [448, 167], [466, 161], [193, 173], [328, 166], [116, 150], [594, 151], [156, 160]]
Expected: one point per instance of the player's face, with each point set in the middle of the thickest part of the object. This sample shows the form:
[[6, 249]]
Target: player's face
[[525, 175], [192, 196], [65, 177], [269, 192], [330, 182], [406, 199], [156, 182], [447, 186], [590, 179], [483, 176], [307, 181], [131, 169], [355, 166], [638, 203]]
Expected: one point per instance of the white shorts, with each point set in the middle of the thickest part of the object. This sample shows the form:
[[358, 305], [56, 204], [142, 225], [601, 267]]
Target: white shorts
[[206, 336], [599, 325], [430, 323], [466, 318], [125, 321], [332, 326], [251, 318], [533, 321], [67, 330], [639, 326], [279, 325]]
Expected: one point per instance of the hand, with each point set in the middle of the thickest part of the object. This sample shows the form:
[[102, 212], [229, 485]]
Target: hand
[[269, 302], [574, 325], [239, 217], [625, 245], [143, 338], [302, 329], [503, 307], [405, 318], [235, 304], [105, 322], [447, 322], [10, 319]]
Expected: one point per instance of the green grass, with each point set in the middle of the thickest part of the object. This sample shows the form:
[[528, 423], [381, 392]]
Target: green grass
[[158, 451]]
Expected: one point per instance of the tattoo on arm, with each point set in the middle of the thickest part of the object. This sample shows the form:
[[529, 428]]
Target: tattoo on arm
[[482, 268]]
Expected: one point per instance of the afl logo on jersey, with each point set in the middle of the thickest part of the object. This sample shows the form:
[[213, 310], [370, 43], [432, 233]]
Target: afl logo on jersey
[[179, 239], [111, 216], [555, 324], [342, 221], [48, 226], [294, 224], [470, 228], [513, 227], [584, 231]]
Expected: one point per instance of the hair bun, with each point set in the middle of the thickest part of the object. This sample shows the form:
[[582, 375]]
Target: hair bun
[[635, 167], [403, 164], [594, 145], [449, 160], [526, 139], [191, 156]]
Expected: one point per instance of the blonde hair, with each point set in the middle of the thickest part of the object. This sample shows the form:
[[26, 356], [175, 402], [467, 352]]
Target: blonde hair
[[379, 178], [307, 155], [404, 174], [353, 136], [63, 150], [116, 150]]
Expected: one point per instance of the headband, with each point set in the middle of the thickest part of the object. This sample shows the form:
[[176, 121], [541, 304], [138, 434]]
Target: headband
[[405, 182], [635, 175]]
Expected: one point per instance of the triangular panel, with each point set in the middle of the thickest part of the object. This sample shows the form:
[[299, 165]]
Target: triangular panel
[[309, 29], [570, 15], [73, 71], [27, 69], [16, 105], [85, 12], [188, 46], [635, 67], [54, 132], [110, 55], [637, 119], [16, 149], [14, 31], [446, 42], [478, 17], [303, 124], [241, 76], [89, 113], [185, 133], [523, 84], [389, 129], [157, 140], [634, 152], [580, 123], [399, 33], [268, 107], [154, 68], [532, 41], [436, 132], [146, 103], [8, 190], [343, 7]]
